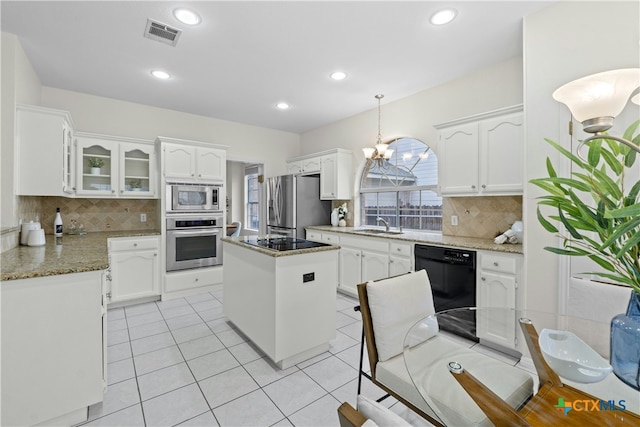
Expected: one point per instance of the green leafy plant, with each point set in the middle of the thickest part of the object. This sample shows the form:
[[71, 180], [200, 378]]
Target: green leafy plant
[[95, 162], [613, 216]]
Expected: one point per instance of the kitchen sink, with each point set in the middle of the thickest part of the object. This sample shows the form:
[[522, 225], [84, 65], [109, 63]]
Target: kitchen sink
[[376, 231]]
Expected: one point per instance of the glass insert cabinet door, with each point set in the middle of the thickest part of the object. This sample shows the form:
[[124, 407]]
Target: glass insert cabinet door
[[96, 167], [136, 164]]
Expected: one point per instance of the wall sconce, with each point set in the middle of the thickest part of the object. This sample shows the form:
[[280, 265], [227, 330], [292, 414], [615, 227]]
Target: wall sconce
[[381, 153], [596, 100]]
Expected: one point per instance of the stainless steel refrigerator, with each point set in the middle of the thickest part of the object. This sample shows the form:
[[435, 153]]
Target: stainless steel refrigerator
[[293, 203]]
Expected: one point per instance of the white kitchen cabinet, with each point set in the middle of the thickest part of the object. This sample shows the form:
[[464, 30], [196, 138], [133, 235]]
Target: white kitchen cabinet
[[190, 282], [497, 283], [350, 269], [134, 268], [53, 342], [187, 161], [128, 167], [361, 259], [313, 235], [399, 265], [335, 176], [45, 152], [483, 154], [307, 166], [334, 167], [374, 266]]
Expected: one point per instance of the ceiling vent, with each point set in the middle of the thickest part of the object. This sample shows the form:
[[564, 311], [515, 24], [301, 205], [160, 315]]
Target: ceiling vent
[[162, 33]]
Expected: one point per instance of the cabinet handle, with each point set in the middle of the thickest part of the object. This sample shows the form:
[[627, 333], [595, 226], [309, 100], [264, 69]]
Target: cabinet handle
[[197, 279], [390, 261], [495, 264], [473, 186], [155, 254], [135, 245], [192, 175], [483, 279], [121, 191], [113, 191], [398, 249], [484, 186]]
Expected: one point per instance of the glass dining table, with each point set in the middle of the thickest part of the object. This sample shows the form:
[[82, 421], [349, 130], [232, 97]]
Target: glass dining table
[[567, 358]]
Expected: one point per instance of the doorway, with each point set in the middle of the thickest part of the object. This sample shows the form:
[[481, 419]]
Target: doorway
[[245, 199]]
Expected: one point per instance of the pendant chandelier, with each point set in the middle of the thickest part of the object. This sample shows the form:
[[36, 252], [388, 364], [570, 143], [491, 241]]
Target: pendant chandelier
[[380, 153]]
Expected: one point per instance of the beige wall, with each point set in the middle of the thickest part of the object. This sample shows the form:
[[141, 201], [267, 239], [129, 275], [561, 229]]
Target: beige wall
[[561, 45], [20, 85]]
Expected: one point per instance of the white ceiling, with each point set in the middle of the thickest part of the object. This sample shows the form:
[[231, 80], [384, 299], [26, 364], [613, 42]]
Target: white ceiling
[[246, 56]]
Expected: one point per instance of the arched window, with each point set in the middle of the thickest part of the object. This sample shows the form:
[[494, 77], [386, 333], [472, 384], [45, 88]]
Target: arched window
[[403, 189]]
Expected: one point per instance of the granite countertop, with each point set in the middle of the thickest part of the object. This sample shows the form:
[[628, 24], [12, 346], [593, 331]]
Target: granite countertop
[[69, 254], [428, 238], [239, 241]]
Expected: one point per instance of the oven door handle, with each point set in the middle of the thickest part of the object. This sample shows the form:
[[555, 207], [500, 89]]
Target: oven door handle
[[192, 232]]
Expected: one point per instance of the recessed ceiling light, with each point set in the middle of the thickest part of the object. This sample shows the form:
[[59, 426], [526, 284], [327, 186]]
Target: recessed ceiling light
[[282, 105], [159, 74], [187, 16], [338, 75], [443, 17]]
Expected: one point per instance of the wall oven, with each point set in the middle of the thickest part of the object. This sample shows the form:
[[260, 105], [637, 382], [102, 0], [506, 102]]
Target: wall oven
[[189, 197], [194, 241]]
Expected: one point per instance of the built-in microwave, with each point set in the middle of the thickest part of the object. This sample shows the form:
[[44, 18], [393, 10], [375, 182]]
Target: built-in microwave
[[186, 197]]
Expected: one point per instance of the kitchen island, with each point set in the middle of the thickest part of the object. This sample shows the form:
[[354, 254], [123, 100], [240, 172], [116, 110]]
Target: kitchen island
[[282, 294]]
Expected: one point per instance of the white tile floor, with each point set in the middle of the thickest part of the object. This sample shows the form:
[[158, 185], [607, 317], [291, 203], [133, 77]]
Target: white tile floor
[[180, 362]]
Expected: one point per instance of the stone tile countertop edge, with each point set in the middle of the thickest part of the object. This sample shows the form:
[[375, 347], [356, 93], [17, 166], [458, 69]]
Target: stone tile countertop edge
[[75, 254], [236, 241], [427, 238]]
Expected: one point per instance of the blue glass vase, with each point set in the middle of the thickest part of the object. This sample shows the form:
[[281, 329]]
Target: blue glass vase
[[625, 343]]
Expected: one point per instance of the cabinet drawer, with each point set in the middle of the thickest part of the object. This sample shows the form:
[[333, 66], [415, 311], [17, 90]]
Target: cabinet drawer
[[400, 249], [316, 236], [501, 263], [182, 280], [331, 238], [119, 244], [369, 244]]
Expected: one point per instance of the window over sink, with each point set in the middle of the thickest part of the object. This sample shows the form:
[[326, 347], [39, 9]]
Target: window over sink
[[402, 190]]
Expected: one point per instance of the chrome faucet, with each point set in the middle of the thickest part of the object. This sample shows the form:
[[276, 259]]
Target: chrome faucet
[[385, 222]]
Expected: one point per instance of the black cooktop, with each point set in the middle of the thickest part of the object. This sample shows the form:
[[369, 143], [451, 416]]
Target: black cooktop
[[282, 243]]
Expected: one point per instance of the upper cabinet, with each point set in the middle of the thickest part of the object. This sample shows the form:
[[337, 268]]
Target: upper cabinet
[[115, 167], [334, 167], [483, 154], [45, 152], [188, 161]]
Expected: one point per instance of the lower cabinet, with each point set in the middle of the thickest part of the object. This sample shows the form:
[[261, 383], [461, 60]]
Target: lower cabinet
[[188, 282], [497, 283], [362, 259], [134, 268], [53, 348]]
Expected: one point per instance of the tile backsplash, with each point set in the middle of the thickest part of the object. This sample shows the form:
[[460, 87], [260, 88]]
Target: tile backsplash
[[94, 214], [483, 217]]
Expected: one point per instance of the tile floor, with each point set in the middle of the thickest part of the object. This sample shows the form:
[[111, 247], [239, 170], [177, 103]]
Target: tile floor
[[180, 362]]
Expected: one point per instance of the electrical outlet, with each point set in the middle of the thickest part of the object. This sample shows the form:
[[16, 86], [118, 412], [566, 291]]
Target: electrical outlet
[[454, 219], [143, 217]]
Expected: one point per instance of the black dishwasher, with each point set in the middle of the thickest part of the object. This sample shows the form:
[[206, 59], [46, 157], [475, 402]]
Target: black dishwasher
[[452, 273]]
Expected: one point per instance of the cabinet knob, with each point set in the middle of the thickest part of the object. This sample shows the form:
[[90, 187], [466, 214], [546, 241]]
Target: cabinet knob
[[197, 279], [483, 279], [113, 191], [155, 254], [495, 264], [473, 186], [484, 186], [398, 249], [390, 261], [135, 245], [192, 174], [362, 255], [121, 191]]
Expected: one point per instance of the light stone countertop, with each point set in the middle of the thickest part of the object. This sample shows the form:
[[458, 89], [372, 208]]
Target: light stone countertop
[[427, 238], [239, 241], [74, 254]]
